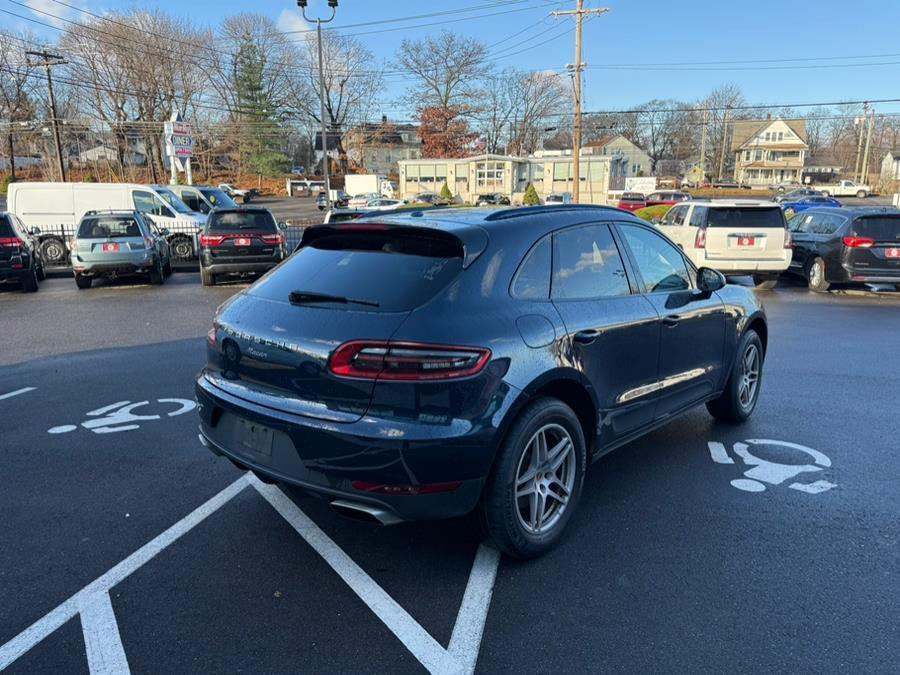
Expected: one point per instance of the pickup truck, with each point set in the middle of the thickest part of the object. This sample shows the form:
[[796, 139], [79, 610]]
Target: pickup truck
[[845, 188], [236, 193]]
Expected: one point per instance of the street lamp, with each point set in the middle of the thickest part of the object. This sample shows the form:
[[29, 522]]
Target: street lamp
[[333, 5]]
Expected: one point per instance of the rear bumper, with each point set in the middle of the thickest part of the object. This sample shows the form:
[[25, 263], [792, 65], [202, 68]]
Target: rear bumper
[[738, 267], [254, 267], [325, 458], [90, 269]]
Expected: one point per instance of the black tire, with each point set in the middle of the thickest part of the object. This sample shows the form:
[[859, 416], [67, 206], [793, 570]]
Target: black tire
[[765, 282], [815, 276], [53, 251], [182, 248], [206, 278], [729, 407], [167, 268], [83, 282], [862, 194], [30, 281], [500, 509], [41, 272], [157, 277]]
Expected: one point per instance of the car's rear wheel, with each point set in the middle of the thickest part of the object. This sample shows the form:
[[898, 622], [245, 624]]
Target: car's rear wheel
[[536, 481], [53, 251], [83, 282], [182, 247], [30, 281], [41, 272], [206, 278], [157, 277], [738, 401], [815, 276], [765, 281], [861, 194]]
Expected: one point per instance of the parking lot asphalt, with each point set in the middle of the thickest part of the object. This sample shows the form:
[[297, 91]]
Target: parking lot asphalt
[[678, 560]]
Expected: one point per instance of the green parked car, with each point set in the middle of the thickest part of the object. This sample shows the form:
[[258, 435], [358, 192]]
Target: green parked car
[[119, 243]]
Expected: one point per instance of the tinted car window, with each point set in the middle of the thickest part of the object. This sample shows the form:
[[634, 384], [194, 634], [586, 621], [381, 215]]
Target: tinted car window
[[218, 199], [827, 223], [698, 216], [6, 228], [106, 226], [661, 264], [398, 270], [532, 281], [879, 228], [587, 264], [748, 217], [680, 212], [236, 221], [801, 222]]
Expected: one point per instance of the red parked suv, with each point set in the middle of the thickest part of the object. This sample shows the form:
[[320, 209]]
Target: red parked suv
[[667, 197], [632, 201]]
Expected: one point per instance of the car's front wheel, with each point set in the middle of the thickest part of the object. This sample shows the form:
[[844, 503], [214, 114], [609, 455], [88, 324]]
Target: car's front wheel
[[815, 276], [738, 401], [83, 282], [536, 481]]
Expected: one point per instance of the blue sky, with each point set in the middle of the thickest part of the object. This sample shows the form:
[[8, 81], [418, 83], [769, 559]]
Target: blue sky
[[828, 34]]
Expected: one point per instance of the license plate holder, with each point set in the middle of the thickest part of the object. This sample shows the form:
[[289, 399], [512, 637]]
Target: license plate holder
[[255, 437], [746, 241], [110, 248], [242, 241]]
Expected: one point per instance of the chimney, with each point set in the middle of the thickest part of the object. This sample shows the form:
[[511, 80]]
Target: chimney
[[768, 116], [384, 119]]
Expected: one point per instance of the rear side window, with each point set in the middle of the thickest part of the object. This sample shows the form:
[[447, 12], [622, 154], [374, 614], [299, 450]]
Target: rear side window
[[879, 228], [746, 217], [698, 216], [101, 228], [398, 269], [826, 223], [587, 264], [237, 221], [6, 228], [532, 281]]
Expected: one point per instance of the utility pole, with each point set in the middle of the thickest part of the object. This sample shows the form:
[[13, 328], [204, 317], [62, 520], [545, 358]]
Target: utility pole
[[703, 148], [575, 70], [49, 60], [724, 142], [864, 174], [857, 171], [333, 5]]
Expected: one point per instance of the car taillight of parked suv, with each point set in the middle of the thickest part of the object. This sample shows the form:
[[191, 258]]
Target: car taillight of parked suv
[[240, 242], [20, 256], [424, 365]]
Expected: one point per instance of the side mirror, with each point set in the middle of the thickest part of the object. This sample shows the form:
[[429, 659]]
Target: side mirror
[[34, 231], [163, 231], [282, 226], [710, 280]]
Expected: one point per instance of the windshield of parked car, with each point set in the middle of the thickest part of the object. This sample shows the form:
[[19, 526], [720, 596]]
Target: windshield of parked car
[[879, 228], [745, 217], [108, 227], [218, 199], [236, 221], [172, 200]]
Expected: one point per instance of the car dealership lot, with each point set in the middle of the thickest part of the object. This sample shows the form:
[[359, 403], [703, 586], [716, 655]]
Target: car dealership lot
[[695, 548]]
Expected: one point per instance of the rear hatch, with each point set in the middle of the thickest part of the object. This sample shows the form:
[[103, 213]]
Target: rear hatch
[[110, 239], [872, 245], [745, 233], [241, 236], [349, 282]]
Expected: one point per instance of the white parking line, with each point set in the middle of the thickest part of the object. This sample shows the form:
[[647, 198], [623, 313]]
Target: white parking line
[[23, 390], [465, 642], [105, 654]]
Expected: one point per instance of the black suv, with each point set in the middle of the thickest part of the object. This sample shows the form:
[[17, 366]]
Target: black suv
[[240, 242], [847, 245], [427, 364], [20, 255]]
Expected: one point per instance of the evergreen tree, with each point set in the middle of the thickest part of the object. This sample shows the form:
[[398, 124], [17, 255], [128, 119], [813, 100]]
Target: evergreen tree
[[531, 196]]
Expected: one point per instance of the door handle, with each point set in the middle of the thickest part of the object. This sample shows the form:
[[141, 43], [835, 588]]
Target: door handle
[[586, 337], [671, 320]]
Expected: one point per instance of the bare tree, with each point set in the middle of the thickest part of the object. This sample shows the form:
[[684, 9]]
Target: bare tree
[[16, 87]]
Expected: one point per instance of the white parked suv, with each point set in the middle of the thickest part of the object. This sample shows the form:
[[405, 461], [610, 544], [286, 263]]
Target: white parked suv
[[735, 236]]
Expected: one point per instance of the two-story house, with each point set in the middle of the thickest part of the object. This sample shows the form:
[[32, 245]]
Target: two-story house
[[626, 158], [378, 147], [768, 151]]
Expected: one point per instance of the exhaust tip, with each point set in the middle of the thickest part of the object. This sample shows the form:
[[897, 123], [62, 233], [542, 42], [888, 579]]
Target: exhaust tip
[[364, 512]]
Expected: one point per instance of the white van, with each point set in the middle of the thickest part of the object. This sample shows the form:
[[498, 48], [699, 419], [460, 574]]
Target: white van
[[56, 208], [737, 237]]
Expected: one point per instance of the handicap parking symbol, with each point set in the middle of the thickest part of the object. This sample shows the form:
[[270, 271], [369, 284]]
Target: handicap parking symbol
[[120, 416], [762, 473]]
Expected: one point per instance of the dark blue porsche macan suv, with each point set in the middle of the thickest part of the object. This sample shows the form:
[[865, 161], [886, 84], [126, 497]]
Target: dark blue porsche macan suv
[[428, 364]]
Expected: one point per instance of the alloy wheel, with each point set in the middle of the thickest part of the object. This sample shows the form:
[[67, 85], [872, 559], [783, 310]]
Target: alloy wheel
[[749, 383], [816, 272], [545, 478]]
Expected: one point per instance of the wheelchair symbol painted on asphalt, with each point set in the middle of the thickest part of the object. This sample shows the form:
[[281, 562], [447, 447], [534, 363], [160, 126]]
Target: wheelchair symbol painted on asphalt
[[762, 472], [120, 416]]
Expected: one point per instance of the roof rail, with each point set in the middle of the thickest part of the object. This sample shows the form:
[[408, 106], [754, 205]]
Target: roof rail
[[515, 212], [94, 212]]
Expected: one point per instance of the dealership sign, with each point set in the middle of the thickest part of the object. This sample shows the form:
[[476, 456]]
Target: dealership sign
[[179, 140]]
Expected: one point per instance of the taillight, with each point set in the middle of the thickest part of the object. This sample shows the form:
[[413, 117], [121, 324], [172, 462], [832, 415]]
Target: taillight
[[700, 240], [211, 334], [11, 242], [788, 241], [858, 242], [275, 239], [372, 359], [211, 239]]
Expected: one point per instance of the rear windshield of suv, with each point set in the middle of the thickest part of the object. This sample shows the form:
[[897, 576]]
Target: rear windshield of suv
[[103, 227], [238, 221], [745, 217], [879, 228], [398, 269]]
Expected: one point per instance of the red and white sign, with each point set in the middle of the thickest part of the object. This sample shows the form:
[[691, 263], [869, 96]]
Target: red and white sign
[[746, 241]]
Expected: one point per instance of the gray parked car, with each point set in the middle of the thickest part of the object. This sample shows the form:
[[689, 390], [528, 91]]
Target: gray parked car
[[119, 243]]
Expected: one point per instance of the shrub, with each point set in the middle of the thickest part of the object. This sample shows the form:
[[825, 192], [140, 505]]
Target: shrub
[[531, 196], [4, 184], [90, 178], [445, 192], [652, 213]]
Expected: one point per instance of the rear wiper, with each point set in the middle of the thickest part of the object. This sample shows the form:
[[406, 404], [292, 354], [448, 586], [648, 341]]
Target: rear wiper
[[306, 297]]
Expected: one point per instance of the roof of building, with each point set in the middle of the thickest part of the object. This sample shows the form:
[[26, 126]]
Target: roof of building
[[744, 130], [385, 133]]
